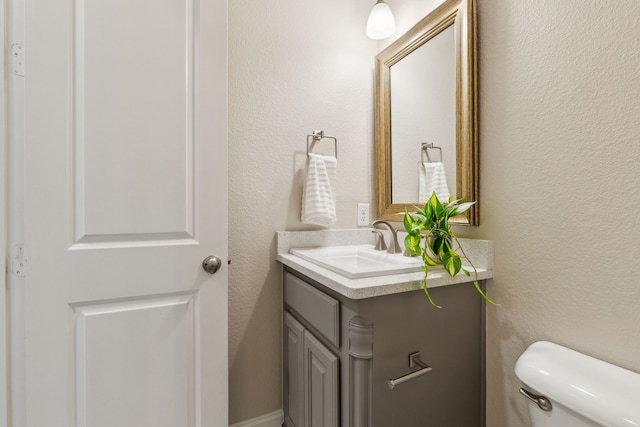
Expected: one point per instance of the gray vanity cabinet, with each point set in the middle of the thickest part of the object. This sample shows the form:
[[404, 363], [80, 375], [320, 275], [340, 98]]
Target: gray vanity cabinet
[[311, 356], [339, 354], [311, 378], [294, 371]]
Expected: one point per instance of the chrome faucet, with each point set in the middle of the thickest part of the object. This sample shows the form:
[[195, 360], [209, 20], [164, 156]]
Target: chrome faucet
[[380, 245], [394, 246]]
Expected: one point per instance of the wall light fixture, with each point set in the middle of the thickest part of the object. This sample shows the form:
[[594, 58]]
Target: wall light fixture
[[381, 23]]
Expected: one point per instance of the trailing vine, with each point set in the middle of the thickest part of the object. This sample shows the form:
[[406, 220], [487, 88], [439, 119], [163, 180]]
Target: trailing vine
[[430, 236]]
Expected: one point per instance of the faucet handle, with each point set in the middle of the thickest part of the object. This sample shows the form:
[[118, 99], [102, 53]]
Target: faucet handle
[[380, 245], [394, 246]]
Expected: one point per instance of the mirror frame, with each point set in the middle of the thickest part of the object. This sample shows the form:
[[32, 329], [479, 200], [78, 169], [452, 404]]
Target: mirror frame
[[462, 13]]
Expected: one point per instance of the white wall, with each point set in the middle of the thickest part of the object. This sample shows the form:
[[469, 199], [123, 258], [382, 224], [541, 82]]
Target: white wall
[[294, 67], [560, 144], [559, 188]]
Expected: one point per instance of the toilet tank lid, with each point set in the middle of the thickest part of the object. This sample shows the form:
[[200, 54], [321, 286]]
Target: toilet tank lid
[[599, 391]]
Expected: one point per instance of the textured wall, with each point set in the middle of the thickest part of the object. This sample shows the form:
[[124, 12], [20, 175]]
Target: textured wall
[[559, 100], [294, 67], [560, 184]]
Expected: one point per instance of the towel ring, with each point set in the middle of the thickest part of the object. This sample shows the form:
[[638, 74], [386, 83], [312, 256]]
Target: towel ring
[[317, 136], [426, 146]]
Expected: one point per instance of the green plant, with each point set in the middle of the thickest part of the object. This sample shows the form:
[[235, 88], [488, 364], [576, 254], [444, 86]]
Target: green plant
[[430, 236]]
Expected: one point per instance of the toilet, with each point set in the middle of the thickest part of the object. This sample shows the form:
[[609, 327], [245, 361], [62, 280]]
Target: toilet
[[565, 388]]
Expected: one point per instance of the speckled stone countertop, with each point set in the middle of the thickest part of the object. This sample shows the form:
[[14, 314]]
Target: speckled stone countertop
[[479, 251]]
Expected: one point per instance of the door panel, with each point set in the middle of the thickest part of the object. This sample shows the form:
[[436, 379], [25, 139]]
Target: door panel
[[134, 101], [122, 350], [125, 195], [321, 383], [294, 398]]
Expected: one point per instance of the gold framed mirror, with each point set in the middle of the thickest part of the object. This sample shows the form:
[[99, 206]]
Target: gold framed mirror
[[432, 72]]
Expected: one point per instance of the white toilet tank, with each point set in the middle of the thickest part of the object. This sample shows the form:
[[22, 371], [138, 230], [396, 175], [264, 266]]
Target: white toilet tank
[[582, 391]]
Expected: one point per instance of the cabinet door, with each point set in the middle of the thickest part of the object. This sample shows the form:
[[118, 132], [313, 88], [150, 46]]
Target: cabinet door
[[320, 384], [293, 372]]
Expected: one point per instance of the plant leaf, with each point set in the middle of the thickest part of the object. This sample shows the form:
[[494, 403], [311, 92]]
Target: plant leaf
[[436, 246], [461, 208], [408, 221], [451, 263], [412, 243], [435, 205], [432, 224], [426, 291], [486, 298], [447, 248], [427, 259]]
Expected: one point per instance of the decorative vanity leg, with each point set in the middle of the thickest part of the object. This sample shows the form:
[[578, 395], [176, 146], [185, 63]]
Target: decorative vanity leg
[[360, 368]]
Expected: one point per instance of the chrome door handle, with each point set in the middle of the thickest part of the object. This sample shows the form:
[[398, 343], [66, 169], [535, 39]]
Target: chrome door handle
[[211, 264]]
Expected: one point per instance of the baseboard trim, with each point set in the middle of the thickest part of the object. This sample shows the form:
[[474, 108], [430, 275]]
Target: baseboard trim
[[274, 419]]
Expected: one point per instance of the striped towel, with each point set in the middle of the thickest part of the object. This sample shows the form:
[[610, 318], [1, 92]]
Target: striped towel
[[432, 178], [318, 191]]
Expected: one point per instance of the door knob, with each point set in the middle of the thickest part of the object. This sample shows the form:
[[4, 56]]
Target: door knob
[[211, 264]]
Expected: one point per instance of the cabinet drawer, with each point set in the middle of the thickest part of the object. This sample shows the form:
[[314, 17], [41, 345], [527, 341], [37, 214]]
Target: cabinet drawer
[[319, 310]]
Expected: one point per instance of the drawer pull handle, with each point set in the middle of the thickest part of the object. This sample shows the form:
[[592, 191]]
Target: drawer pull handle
[[414, 360]]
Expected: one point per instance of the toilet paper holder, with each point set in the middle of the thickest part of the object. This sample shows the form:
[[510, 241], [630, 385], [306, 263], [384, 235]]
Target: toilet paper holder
[[414, 360]]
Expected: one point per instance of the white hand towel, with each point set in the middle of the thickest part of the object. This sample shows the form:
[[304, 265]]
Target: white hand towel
[[318, 191], [432, 178]]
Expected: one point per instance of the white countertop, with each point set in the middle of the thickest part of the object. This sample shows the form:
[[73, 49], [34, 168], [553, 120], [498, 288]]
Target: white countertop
[[480, 251]]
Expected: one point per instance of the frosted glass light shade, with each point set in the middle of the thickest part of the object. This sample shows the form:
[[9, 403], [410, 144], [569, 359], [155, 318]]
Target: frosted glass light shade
[[381, 23]]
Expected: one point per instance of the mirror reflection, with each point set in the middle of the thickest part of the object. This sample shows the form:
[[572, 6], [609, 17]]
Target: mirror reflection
[[426, 97], [423, 111]]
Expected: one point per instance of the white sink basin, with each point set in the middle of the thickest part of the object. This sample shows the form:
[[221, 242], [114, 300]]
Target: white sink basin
[[359, 260]]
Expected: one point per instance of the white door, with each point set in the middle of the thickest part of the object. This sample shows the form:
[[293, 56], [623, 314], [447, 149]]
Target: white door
[[125, 195]]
